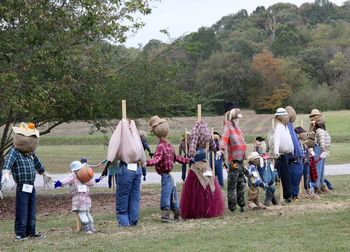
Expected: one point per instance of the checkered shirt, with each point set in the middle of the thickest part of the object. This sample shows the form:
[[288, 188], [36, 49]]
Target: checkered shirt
[[23, 167]]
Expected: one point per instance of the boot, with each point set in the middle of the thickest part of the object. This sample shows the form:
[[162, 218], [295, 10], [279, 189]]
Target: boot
[[268, 198], [317, 191], [274, 200], [165, 216], [92, 227], [86, 228], [176, 213], [324, 189]]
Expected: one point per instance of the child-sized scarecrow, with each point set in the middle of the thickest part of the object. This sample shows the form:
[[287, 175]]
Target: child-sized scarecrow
[[283, 150], [22, 161], [163, 160], [233, 140]]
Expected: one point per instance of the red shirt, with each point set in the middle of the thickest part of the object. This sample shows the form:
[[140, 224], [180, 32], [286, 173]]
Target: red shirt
[[165, 157]]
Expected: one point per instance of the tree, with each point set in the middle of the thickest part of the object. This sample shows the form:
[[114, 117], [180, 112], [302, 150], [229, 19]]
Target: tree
[[51, 69]]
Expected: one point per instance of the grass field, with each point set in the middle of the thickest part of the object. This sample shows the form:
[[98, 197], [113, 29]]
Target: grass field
[[307, 225]]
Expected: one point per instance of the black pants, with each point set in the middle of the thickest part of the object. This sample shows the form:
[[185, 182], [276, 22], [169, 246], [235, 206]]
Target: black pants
[[283, 169]]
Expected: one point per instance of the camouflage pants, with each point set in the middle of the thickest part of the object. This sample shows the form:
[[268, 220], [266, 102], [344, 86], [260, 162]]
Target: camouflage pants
[[235, 186]]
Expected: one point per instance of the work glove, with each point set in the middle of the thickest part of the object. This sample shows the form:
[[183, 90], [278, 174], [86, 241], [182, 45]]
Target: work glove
[[97, 180], [323, 155], [311, 152], [105, 171], [5, 177], [47, 180], [58, 184], [219, 154], [151, 154]]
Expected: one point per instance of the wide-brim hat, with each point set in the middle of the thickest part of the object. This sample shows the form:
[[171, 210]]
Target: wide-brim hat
[[26, 130], [155, 121], [299, 130], [281, 112], [253, 155], [76, 166], [230, 105], [216, 133], [314, 112], [260, 139]]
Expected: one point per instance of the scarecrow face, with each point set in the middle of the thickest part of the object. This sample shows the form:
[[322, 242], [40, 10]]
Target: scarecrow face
[[25, 144], [291, 114], [161, 130], [234, 114], [284, 119]]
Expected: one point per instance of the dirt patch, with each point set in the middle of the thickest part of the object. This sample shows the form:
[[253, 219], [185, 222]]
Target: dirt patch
[[47, 205]]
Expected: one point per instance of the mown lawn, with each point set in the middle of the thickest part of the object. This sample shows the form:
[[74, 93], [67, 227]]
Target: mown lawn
[[307, 225]]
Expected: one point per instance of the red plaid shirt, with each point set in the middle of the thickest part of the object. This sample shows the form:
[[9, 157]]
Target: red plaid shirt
[[164, 158], [313, 171], [233, 139]]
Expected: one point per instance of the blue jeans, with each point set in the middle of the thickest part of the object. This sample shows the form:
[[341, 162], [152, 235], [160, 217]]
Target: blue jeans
[[283, 167], [168, 197], [218, 168], [25, 212], [128, 195], [319, 167], [296, 173]]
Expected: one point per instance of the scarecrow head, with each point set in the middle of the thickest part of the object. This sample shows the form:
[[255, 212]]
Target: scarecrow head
[[281, 115], [291, 114], [232, 111], [159, 126], [302, 134], [255, 159], [26, 137]]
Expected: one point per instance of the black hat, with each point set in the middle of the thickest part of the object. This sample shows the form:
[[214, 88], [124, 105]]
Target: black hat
[[299, 130], [259, 138], [230, 105]]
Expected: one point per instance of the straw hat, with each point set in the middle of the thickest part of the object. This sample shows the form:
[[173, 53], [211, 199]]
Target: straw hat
[[253, 155], [155, 121], [26, 129], [314, 112]]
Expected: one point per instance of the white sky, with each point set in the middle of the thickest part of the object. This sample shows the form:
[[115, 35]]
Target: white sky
[[180, 17]]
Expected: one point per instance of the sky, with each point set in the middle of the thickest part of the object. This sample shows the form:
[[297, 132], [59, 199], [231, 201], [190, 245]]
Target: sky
[[180, 17]]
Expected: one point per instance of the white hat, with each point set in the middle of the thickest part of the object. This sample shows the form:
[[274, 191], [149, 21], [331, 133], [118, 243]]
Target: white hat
[[26, 129], [281, 111], [76, 166], [253, 155]]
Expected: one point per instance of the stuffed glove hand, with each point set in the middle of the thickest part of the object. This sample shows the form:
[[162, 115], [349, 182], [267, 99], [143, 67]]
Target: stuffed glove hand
[[323, 155], [311, 152], [47, 180], [151, 154], [5, 177], [97, 180], [58, 184], [219, 154]]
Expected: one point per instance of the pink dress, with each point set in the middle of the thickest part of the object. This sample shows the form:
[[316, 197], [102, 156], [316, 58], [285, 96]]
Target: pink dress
[[81, 201]]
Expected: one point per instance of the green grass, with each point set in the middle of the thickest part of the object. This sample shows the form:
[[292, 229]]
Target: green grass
[[318, 225], [57, 158]]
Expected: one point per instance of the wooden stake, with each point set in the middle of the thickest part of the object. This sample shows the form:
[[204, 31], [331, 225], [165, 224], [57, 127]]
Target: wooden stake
[[302, 122], [78, 225], [113, 183], [123, 109], [212, 154], [273, 123], [199, 108], [186, 150]]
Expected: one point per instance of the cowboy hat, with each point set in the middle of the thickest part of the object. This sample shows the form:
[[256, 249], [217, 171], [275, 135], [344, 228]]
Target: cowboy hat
[[26, 129], [155, 121], [253, 155], [314, 112]]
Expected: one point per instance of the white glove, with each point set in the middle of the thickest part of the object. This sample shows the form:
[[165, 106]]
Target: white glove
[[311, 152], [218, 155], [5, 177], [1, 197], [47, 180], [323, 155]]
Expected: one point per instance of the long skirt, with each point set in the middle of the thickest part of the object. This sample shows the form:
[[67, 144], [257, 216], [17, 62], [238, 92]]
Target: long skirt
[[197, 202]]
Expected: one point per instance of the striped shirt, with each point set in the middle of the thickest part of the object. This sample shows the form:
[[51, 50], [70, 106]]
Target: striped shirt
[[233, 139], [23, 167], [323, 139]]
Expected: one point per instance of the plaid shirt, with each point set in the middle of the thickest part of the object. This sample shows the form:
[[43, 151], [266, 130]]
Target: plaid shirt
[[313, 170], [164, 158], [233, 139], [23, 167], [199, 138], [81, 201]]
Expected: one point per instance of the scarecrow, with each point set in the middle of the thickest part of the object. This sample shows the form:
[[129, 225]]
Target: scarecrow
[[296, 161], [218, 162], [283, 150], [22, 161], [233, 140], [163, 160], [125, 145], [201, 194]]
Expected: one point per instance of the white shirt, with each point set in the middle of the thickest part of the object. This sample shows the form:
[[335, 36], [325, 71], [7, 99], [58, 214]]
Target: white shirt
[[282, 140]]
